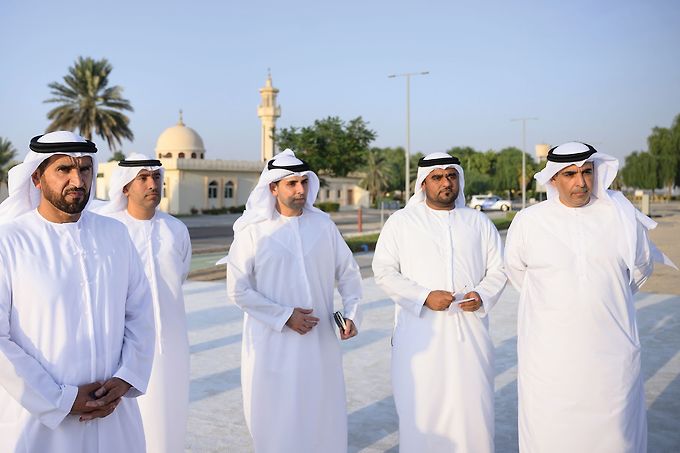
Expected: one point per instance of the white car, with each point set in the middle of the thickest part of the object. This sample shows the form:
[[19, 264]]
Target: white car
[[489, 203]]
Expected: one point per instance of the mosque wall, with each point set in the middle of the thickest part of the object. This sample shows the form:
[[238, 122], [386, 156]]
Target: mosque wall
[[193, 185]]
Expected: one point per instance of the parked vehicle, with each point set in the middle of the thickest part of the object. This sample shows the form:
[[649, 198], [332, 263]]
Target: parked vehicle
[[489, 203]]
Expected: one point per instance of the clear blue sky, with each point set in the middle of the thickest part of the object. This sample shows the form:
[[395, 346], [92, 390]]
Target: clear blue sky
[[605, 72]]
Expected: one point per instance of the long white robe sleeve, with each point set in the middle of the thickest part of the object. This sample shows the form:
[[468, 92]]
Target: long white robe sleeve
[[164, 247], [293, 385], [442, 362], [75, 308], [241, 286], [579, 381]]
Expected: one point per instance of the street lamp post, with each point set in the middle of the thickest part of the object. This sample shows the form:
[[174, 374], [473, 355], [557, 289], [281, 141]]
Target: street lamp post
[[524, 157], [407, 75]]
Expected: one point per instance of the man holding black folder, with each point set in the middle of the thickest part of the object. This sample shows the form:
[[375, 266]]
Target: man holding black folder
[[282, 267]]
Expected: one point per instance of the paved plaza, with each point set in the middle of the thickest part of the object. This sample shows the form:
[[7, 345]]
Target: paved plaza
[[216, 422]]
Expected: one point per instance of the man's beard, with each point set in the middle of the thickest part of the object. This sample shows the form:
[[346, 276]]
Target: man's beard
[[59, 201]]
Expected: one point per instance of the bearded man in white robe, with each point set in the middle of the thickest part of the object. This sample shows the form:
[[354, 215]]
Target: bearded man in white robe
[[286, 258], [577, 259], [441, 263], [165, 249], [76, 321]]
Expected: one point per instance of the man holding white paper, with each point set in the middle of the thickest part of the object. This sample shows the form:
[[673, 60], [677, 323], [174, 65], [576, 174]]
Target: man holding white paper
[[441, 263]]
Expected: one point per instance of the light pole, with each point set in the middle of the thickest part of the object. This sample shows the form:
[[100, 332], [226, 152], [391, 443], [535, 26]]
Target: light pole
[[524, 157], [407, 185]]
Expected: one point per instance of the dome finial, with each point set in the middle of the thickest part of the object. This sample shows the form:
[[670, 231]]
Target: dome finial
[[180, 122]]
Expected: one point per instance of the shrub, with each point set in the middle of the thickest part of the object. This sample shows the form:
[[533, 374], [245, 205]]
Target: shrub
[[237, 209], [328, 206], [362, 243]]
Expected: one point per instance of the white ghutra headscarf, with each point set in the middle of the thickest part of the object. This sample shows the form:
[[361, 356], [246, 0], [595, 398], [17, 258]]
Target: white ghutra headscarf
[[23, 195], [432, 162], [123, 174], [606, 167], [261, 204]]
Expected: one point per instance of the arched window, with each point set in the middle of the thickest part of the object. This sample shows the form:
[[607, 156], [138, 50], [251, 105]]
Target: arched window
[[181, 155], [165, 187], [229, 190], [160, 155], [201, 155], [212, 189], [193, 155]]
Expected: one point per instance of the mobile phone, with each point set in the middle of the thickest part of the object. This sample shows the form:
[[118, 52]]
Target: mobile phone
[[339, 320]]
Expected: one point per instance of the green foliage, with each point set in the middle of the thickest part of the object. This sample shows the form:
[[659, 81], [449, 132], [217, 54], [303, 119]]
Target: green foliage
[[224, 210], [393, 162], [117, 156], [362, 243], [88, 104], [660, 166], [508, 170], [376, 174], [7, 153], [494, 171], [503, 223], [328, 206], [641, 171], [330, 146]]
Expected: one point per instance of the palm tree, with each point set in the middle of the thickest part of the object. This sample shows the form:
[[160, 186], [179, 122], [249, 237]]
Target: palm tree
[[376, 176], [7, 153], [88, 104]]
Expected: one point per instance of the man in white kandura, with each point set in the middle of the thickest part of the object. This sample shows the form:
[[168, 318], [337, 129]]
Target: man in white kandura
[[577, 259], [281, 270], [165, 249], [441, 263], [76, 320]]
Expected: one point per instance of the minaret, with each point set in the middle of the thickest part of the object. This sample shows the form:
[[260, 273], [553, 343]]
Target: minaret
[[268, 112]]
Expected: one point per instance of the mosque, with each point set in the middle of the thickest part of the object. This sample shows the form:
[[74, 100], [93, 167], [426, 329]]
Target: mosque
[[194, 183]]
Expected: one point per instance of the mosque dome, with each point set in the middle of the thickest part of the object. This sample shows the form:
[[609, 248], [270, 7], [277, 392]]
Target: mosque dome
[[180, 141]]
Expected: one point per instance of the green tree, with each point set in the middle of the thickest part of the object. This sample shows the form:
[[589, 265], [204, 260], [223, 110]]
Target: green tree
[[508, 170], [117, 156], [376, 174], [660, 144], [330, 146], [88, 104], [478, 167], [641, 171], [7, 153]]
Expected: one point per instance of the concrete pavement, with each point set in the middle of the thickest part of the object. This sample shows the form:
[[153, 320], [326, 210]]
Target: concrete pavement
[[216, 422]]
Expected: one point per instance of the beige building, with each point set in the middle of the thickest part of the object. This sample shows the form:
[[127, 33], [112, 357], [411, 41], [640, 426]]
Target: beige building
[[194, 183]]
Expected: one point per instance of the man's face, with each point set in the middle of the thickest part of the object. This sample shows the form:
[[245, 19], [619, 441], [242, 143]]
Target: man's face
[[441, 188], [65, 182], [291, 194], [145, 190], [574, 184]]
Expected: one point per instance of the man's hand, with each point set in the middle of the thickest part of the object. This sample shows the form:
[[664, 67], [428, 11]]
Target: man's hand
[[439, 300], [85, 393], [350, 330], [472, 305], [81, 406], [301, 321], [107, 397]]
